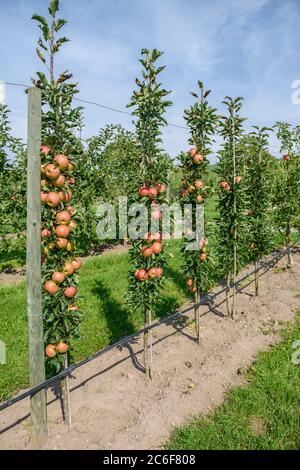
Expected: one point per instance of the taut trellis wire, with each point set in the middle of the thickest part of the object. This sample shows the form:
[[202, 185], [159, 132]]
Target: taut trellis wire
[[109, 108]]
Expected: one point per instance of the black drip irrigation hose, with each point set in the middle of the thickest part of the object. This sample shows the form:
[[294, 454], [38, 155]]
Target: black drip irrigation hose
[[67, 371]]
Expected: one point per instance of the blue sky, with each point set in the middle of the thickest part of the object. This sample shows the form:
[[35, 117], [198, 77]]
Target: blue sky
[[237, 47]]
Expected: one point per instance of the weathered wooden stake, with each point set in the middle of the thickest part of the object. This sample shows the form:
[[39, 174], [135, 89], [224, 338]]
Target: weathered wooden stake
[[38, 404], [65, 395]]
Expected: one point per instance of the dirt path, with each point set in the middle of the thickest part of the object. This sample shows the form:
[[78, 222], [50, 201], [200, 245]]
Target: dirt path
[[115, 407]]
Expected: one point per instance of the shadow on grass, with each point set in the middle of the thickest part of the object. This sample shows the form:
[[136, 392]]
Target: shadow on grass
[[11, 259], [118, 318]]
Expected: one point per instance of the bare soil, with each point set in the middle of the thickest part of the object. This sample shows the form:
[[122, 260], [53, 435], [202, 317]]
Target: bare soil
[[115, 407]]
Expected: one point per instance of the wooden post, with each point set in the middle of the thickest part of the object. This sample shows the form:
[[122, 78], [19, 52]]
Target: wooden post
[[38, 404]]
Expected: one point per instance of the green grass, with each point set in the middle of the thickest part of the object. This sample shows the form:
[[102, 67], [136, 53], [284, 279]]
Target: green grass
[[103, 283], [262, 415], [12, 254]]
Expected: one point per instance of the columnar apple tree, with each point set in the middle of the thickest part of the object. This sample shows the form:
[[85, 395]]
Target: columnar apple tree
[[202, 121], [258, 193], [12, 185], [287, 185], [59, 218], [231, 221], [146, 254]]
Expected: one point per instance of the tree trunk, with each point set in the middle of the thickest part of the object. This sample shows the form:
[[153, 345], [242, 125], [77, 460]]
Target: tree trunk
[[148, 346], [197, 315], [288, 248], [65, 395], [228, 294], [234, 281], [256, 264], [290, 257]]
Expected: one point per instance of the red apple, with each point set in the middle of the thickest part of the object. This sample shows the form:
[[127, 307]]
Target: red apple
[[63, 217], [198, 158], [68, 268], [50, 350], [50, 287], [224, 185], [161, 187], [59, 182], [159, 271], [53, 199], [44, 196], [199, 184], [141, 274], [146, 251], [45, 150], [62, 231], [71, 210], [65, 196], [52, 171], [152, 273], [62, 161], [70, 292], [46, 233], [76, 263], [143, 191], [61, 243], [62, 347], [58, 277], [156, 248], [152, 193], [193, 151]]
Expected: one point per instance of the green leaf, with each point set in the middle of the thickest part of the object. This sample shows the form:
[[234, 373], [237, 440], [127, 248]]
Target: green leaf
[[42, 45], [41, 19], [53, 7], [41, 56], [59, 24]]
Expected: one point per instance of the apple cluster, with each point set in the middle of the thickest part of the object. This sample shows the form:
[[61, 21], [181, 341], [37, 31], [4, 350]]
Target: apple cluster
[[193, 190], [226, 186], [58, 226]]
